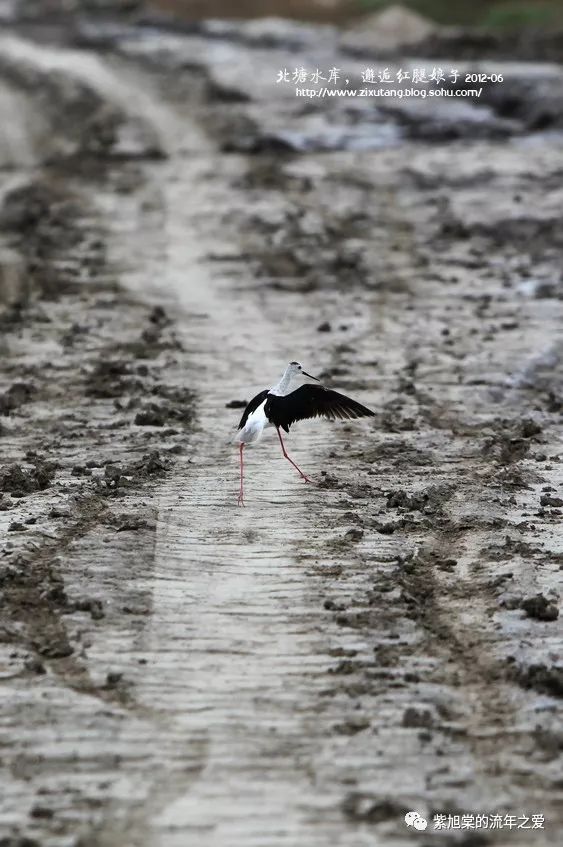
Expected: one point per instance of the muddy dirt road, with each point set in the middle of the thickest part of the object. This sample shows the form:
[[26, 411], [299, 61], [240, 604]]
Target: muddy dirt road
[[174, 227]]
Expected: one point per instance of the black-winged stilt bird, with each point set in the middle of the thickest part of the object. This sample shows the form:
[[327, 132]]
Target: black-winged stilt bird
[[286, 403]]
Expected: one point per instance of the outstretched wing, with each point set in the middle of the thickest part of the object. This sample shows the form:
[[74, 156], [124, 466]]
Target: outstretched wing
[[252, 406], [312, 401]]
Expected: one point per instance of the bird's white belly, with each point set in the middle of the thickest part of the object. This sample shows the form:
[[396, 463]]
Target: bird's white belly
[[254, 426]]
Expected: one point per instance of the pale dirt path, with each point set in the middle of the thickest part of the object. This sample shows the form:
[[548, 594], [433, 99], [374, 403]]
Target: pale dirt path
[[238, 633], [224, 736]]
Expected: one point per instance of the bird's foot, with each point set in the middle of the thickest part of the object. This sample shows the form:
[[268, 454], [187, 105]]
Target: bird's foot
[[240, 500], [307, 479]]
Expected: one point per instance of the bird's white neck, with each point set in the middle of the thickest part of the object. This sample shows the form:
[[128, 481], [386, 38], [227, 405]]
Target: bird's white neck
[[284, 386]]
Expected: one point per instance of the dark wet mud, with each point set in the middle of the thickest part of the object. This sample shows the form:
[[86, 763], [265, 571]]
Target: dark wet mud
[[304, 671]]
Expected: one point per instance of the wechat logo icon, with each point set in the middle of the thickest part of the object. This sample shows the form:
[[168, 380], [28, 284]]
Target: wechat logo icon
[[416, 820]]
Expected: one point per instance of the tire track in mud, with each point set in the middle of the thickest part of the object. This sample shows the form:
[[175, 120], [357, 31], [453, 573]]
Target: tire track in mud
[[77, 598], [461, 699], [246, 650], [475, 658]]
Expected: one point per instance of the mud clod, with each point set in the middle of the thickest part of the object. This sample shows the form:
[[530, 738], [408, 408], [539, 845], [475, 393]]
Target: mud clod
[[41, 812], [541, 677], [352, 726], [151, 415], [550, 500], [329, 480], [18, 482], [367, 808], [333, 606], [110, 379], [95, 607], [421, 718], [387, 527], [429, 500], [57, 648], [159, 317], [540, 608], [33, 665], [354, 534], [129, 523], [17, 395]]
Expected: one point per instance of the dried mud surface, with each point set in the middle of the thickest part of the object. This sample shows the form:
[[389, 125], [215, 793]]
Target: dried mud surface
[[173, 228]]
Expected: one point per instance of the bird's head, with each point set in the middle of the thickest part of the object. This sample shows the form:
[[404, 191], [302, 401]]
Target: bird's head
[[297, 375]]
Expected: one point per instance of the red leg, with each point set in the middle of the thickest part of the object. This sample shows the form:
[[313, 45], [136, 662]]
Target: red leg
[[241, 492], [303, 476]]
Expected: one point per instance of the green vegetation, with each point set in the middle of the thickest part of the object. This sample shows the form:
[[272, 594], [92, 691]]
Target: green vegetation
[[519, 15], [492, 14]]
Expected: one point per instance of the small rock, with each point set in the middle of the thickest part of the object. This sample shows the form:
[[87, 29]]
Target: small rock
[[95, 607], [158, 316], [328, 480], [354, 534], [56, 649], [446, 564], [81, 470], [369, 808], [136, 610], [150, 464], [19, 482], [41, 812], [385, 528], [542, 678], [324, 327], [421, 718], [18, 394], [151, 335], [540, 608], [548, 500], [57, 512], [333, 606], [529, 428], [150, 416], [352, 726], [33, 665]]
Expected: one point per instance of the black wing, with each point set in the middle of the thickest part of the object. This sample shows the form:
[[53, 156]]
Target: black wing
[[252, 406], [312, 401]]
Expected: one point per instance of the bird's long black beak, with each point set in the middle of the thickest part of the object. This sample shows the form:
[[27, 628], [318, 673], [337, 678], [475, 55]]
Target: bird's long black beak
[[310, 377]]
